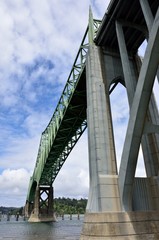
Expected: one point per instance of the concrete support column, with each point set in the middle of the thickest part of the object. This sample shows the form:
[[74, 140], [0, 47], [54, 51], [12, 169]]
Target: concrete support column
[[150, 138], [50, 201], [147, 13], [36, 201], [129, 81], [148, 18], [150, 143], [104, 192], [28, 209], [138, 114], [43, 205]]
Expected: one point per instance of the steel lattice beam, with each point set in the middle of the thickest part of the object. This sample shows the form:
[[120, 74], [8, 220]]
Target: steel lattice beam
[[67, 123]]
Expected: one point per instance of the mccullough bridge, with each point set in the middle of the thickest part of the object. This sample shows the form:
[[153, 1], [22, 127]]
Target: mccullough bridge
[[120, 205]]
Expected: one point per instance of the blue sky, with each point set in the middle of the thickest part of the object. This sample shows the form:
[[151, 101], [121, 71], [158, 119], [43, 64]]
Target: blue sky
[[39, 41]]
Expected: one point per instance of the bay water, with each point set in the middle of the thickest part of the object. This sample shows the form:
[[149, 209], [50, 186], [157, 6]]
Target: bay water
[[60, 230]]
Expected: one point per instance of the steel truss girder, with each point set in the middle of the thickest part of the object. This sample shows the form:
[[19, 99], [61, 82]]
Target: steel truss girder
[[49, 161]]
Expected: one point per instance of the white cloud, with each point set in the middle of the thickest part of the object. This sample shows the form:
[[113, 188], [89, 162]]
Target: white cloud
[[14, 178], [100, 6], [36, 122], [73, 178], [13, 186], [22, 152]]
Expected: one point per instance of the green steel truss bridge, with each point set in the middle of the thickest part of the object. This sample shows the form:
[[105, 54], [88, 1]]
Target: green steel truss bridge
[[120, 204], [67, 123]]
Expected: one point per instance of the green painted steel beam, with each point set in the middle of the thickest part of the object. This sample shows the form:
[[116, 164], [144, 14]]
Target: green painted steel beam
[[68, 121]]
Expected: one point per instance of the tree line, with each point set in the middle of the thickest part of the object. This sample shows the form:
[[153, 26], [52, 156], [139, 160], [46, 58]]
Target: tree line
[[61, 206], [69, 206], [11, 210]]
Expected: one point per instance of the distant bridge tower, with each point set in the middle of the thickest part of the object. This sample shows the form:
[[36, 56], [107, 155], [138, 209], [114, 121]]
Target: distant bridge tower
[[121, 206]]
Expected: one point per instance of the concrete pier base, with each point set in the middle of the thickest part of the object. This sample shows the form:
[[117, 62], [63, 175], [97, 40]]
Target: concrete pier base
[[121, 226], [43, 205], [41, 218]]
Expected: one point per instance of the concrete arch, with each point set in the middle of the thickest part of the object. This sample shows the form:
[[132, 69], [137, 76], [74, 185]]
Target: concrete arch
[[114, 82]]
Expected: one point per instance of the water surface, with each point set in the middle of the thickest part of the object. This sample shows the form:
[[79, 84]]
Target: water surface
[[22, 230]]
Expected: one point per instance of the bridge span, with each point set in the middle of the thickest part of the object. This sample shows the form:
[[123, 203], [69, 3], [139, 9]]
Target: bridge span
[[120, 205], [63, 131]]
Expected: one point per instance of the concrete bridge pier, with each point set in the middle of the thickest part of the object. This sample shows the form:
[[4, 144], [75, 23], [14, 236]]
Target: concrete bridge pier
[[104, 196], [28, 209], [107, 216], [42, 206], [122, 206]]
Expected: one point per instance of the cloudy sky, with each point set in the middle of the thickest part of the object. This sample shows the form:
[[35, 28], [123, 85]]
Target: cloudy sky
[[38, 44]]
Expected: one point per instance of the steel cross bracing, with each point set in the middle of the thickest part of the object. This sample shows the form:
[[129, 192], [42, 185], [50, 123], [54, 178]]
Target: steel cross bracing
[[67, 123]]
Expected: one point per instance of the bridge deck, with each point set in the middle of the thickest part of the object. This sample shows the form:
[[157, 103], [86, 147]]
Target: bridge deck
[[130, 13]]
